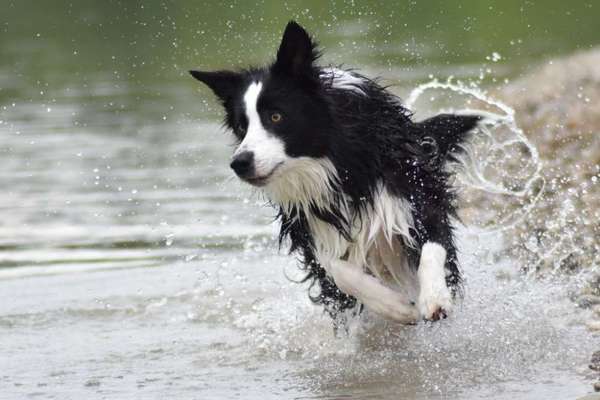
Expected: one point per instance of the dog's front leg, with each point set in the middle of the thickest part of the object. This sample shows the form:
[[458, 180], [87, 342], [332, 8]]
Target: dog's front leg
[[435, 299], [352, 280]]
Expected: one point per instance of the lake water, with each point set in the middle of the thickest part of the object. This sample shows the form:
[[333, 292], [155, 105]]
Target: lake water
[[133, 265]]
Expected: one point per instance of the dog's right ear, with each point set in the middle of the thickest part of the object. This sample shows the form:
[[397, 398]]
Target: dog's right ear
[[297, 51], [224, 84]]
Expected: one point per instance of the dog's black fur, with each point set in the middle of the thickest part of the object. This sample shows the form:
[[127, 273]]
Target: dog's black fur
[[368, 136]]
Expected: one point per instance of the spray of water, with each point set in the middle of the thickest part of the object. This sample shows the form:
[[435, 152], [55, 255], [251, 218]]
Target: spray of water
[[488, 163]]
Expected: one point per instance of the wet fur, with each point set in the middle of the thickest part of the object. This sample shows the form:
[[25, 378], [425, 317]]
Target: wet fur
[[366, 183]]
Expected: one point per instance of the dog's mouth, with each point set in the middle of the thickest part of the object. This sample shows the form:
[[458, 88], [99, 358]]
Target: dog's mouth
[[260, 181]]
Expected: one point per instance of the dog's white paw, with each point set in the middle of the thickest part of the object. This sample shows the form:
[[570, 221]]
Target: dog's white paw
[[435, 300], [435, 305]]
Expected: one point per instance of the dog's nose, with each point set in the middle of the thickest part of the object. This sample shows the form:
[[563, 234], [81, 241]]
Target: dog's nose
[[243, 164]]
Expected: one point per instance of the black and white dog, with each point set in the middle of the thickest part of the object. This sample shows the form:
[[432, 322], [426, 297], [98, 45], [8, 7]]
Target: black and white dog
[[361, 190]]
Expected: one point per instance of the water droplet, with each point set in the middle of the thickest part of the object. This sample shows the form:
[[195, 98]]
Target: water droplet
[[169, 238]]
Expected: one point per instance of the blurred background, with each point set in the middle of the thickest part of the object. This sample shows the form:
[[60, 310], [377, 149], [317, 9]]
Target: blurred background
[[131, 263]]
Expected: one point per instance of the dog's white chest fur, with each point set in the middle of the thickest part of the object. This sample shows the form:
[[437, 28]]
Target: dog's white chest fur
[[372, 265], [379, 236]]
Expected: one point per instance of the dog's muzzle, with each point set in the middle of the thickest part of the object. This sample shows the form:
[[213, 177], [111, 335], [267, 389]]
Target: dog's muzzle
[[243, 164]]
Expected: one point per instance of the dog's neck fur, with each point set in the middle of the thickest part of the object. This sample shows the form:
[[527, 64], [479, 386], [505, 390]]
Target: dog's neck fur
[[304, 183]]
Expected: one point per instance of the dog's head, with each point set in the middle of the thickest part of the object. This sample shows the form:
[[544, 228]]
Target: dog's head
[[275, 112]]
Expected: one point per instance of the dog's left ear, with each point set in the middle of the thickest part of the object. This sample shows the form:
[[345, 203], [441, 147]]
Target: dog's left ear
[[224, 84], [297, 51]]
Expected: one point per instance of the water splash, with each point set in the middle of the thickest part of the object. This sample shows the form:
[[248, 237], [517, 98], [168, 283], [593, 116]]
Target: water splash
[[488, 165]]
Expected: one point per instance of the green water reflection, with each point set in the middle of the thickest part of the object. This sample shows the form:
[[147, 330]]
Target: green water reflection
[[138, 51]]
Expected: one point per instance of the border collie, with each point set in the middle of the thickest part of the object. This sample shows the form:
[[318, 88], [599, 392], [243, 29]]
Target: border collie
[[361, 190]]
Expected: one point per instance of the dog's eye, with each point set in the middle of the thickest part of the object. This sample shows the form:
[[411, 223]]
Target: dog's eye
[[276, 117]]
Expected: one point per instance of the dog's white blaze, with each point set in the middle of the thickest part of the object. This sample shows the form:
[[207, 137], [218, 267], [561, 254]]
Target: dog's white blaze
[[269, 151], [433, 293]]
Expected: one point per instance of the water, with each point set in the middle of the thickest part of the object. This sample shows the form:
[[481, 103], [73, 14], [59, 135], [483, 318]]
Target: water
[[132, 265]]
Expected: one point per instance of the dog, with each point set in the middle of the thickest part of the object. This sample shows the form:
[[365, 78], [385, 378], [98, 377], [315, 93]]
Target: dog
[[362, 192]]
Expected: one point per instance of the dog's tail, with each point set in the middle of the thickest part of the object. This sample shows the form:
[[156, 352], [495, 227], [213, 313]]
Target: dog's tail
[[443, 136]]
